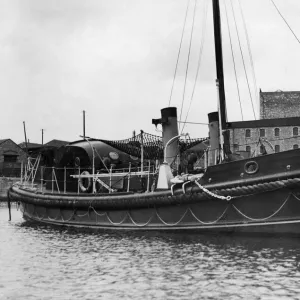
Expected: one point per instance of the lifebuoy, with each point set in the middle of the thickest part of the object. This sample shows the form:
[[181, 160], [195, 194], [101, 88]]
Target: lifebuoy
[[83, 188]]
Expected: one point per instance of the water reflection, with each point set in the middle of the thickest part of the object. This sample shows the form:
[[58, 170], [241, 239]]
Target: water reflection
[[45, 262]]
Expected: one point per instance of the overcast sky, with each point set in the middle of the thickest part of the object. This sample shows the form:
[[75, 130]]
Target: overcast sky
[[115, 59]]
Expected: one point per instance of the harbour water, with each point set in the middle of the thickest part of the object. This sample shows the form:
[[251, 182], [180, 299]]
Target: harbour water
[[44, 262]]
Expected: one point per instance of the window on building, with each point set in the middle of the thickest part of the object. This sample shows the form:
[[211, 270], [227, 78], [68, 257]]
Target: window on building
[[262, 132], [277, 148], [295, 146], [248, 133], [262, 149], [295, 131], [10, 158], [248, 149], [236, 147], [276, 131]]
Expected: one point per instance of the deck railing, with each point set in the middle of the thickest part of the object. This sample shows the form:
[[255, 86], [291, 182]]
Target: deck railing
[[57, 179]]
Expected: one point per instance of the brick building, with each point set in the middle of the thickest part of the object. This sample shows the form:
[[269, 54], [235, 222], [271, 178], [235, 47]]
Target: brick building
[[11, 157], [278, 128], [279, 104]]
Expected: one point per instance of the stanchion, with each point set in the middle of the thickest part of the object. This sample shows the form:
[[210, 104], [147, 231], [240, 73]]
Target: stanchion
[[129, 173], [8, 205]]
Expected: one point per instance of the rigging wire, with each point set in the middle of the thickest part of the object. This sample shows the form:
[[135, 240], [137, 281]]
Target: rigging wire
[[243, 58], [250, 52], [175, 72], [197, 123], [232, 54], [204, 21], [188, 60], [285, 22]]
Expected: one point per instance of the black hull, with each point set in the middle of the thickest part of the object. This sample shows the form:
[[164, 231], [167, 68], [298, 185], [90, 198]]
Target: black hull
[[259, 203], [269, 212]]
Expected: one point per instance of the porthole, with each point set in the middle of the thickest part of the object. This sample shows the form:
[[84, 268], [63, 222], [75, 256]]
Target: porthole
[[251, 167]]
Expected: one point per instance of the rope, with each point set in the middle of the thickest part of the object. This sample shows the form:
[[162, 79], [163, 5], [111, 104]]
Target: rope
[[263, 219], [188, 60], [152, 144], [101, 159], [228, 198], [286, 22], [116, 223], [186, 12], [213, 222], [199, 63], [100, 215], [260, 187], [240, 46], [59, 215], [155, 213], [234, 66], [140, 225], [173, 224], [250, 52], [194, 123]]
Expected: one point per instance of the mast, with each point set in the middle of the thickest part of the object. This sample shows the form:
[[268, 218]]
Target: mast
[[219, 61], [26, 145], [42, 137], [83, 124]]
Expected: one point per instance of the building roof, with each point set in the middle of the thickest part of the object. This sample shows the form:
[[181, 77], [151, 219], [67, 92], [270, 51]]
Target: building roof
[[3, 140], [56, 143], [30, 145], [278, 122], [280, 92]]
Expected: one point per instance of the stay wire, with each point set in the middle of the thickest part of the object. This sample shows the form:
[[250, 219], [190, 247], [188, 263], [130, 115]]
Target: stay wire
[[188, 60], [204, 20], [286, 22], [194, 123], [179, 51], [234, 65], [243, 59], [250, 52]]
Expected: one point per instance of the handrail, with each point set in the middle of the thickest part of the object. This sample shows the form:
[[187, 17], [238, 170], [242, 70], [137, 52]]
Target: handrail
[[58, 183]]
